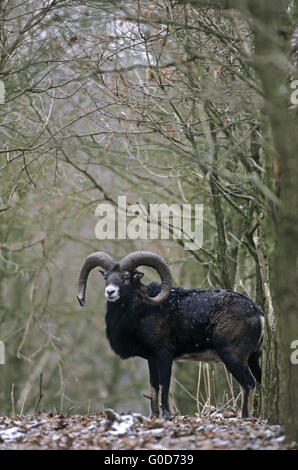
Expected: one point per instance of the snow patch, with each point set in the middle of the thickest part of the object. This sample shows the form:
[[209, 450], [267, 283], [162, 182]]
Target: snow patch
[[121, 427], [10, 434]]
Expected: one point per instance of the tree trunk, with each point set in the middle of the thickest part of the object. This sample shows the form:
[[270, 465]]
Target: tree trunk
[[272, 51]]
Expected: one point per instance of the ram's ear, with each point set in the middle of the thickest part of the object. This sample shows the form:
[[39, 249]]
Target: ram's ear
[[101, 271], [136, 275]]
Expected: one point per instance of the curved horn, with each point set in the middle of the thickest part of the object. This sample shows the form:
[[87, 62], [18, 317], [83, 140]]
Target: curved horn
[[146, 258], [92, 261]]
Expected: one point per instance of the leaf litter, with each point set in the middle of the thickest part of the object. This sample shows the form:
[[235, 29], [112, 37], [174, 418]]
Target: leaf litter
[[111, 430]]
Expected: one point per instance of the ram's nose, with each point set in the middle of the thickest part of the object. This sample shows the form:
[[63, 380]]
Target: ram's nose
[[112, 293]]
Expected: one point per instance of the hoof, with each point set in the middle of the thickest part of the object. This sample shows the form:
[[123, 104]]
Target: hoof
[[247, 418], [250, 418]]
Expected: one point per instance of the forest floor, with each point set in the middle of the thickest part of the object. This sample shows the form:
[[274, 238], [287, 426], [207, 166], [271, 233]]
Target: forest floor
[[110, 430]]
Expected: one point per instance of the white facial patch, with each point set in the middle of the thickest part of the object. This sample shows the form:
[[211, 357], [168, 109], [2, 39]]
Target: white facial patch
[[112, 293]]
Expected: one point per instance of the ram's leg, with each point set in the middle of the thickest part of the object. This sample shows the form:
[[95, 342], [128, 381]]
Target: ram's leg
[[240, 370], [154, 382], [165, 361], [255, 368]]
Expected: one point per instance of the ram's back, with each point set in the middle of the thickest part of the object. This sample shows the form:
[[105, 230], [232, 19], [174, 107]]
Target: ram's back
[[201, 319]]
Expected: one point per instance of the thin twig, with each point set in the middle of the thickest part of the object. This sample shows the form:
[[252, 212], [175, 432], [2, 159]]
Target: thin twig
[[40, 394], [12, 400]]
